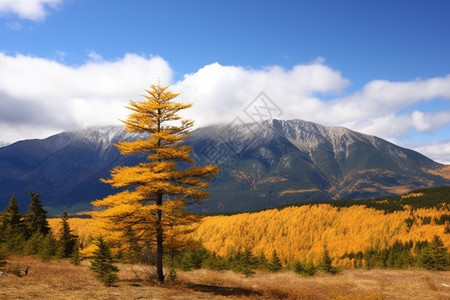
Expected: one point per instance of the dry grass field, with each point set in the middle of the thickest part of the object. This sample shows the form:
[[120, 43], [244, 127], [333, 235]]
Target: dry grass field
[[61, 280]]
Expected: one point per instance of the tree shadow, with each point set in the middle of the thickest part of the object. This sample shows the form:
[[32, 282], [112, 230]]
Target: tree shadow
[[223, 290]]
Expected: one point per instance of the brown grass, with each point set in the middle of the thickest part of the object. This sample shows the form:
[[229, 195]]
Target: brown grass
[[412, 195], [292, 191], [443, 172], [61, 280]]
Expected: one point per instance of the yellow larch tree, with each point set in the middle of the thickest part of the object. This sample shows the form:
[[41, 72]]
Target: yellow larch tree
[[156, 191], [300, 233]]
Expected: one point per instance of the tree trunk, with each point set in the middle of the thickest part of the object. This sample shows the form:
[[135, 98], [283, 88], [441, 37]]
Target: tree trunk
[[159, 242]]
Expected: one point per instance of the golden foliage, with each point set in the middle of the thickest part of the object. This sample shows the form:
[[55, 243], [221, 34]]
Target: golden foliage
[[302, 232], [84, 228], [294, 232], [151, 208]]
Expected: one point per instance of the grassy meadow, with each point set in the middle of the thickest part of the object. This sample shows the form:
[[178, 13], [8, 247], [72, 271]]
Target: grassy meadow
[[58, 279]]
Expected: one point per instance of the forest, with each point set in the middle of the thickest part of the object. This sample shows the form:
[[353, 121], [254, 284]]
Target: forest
[[394, 232], [409, 231]]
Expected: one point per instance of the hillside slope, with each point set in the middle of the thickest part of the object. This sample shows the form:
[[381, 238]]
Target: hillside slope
[[300, 233], [280, 162], [264, 165], [64, 169]]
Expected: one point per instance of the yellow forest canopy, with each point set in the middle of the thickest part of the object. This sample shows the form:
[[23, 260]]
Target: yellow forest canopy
[[301, 232]]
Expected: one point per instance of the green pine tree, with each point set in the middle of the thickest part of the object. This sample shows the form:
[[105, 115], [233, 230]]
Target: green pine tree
[[12, 233], [275, 264], [102, 263], [242, 262], [36, 217], [12, 216], [34, 243], [75, 256], [215, 262], [48, 247], [326, 262], [435, 256], [67, 240], [304, 269]]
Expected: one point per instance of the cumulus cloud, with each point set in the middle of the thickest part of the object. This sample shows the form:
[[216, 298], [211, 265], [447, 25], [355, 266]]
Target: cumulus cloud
[[221, 93], [381, 96], [40, 96], [377, 108], [428, 122], [28, 9], [438, 151], [47, 97]]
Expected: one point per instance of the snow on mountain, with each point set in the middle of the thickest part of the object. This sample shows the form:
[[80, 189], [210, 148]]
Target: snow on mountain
[[266, 164]]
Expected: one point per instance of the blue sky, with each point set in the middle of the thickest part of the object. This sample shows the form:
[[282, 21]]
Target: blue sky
[[379, 67]]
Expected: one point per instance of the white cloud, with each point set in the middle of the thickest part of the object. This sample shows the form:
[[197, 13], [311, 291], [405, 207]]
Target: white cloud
[[40, 96], [387, 126], [220, 93], [428, 122], [47, 97], [28, 9], [377, 108], [94, 56], [438, 151]]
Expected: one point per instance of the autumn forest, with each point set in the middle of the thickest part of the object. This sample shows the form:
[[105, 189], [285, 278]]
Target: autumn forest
[[146, 222]]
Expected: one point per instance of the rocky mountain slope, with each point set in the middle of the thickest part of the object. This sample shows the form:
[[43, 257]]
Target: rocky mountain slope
[[263, 165]]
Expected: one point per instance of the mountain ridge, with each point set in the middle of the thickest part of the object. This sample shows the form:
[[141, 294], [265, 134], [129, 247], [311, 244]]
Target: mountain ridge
[[264, 165], [331, 162]]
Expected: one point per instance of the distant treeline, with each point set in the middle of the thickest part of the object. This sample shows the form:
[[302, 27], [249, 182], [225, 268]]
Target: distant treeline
[[435, 197]]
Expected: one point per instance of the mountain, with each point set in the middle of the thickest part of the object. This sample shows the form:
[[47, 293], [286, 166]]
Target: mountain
[[264, 165], [64, 169], [280, 162]]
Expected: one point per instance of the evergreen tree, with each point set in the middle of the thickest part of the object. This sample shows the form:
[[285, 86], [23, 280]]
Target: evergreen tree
[[36, 217], [440, 253], [34, 243], [67, 240], [102, 263], [193, 259], [75, 256], [275, 264], [12, 216], [48, 248], [12, 233], [243, 262], [215, 262], [298, 267], [263, 263], [304, 269], [142, 208], [326, 262], [435, 256]]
